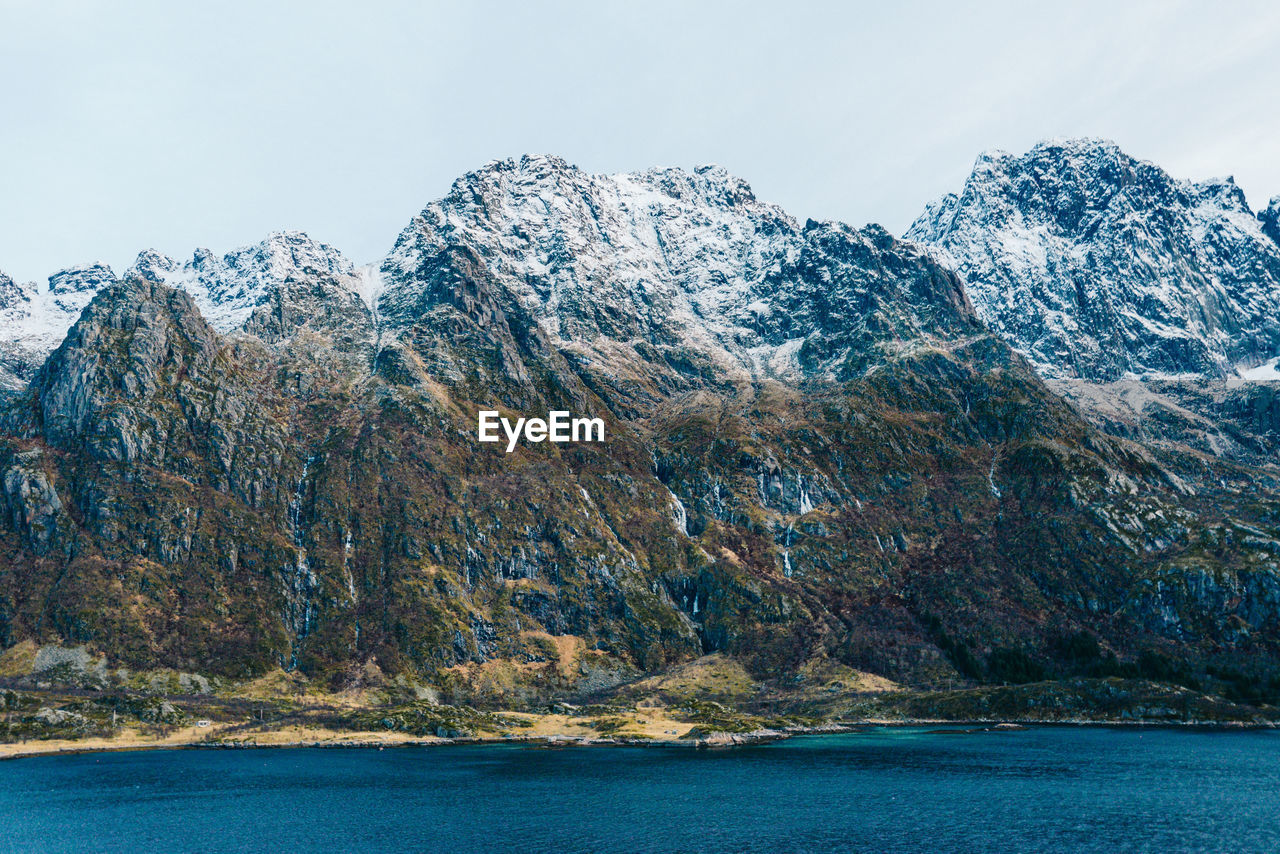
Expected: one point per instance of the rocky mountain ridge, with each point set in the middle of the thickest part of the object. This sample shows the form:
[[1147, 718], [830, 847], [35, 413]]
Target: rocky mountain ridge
[[34, 321], [272, 287], [819, 461]]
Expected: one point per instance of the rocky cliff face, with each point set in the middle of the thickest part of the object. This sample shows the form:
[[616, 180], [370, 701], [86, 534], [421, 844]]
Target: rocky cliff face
[[815, 452], [1095, 264]]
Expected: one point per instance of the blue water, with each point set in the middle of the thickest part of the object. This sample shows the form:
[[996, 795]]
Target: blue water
[[1050, 789]]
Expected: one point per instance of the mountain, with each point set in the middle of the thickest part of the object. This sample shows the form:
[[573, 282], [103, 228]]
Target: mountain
[[682, 279], [34, 321], [1148, 302], [818, 463], [273, 288], [1097, 265]]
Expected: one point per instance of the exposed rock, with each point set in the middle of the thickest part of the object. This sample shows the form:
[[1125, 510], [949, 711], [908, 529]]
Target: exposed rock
[[59, 717], [31, 500], [1270, 219]]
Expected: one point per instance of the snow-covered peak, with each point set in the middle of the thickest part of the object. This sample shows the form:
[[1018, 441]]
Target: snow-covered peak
[[1096, 264], [152, 265], [82, 278], [663, 267], [228, 288], [33, 321], [574, 245], [13, 294], [73, 288]]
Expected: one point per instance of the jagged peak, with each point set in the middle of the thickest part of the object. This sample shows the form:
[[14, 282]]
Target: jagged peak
[[1269, 217], [118, 306], [1054, 148], [1081, 145], [283, 250], [287, 247], [542, 175], [228, 287], [151, 265], [1101, 165], [14, 293], [82, 383], [1096, 263], [1062, 182], [563, 236], [529, 169], [81, 278]]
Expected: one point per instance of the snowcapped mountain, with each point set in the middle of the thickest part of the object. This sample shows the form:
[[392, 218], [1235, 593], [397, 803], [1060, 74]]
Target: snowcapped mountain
[[271, 288], [1096, 264], [276, 289], [232, 288], [673, 267], [662, 267], [33, 321]]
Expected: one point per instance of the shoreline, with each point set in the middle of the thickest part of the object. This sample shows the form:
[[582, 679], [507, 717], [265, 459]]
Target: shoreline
[[329, 740]]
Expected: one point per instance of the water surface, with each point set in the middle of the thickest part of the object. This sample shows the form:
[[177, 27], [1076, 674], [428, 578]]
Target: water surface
[[1044, 789]]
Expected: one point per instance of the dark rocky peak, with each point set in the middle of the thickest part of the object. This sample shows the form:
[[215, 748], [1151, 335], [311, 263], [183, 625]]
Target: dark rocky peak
[[13, 294], [1270, 219], [143, 380], [543, 175], [128, 347]]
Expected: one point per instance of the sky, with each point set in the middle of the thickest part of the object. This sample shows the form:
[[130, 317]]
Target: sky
[[130, 125]]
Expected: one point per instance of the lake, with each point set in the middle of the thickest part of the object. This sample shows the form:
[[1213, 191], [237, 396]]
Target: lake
[[1051, 788]]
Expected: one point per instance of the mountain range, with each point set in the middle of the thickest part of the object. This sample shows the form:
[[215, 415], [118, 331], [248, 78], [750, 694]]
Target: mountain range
[[1032, 439]]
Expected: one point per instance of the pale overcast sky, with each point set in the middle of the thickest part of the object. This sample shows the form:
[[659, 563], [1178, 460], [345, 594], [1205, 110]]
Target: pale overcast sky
[[175, 125]]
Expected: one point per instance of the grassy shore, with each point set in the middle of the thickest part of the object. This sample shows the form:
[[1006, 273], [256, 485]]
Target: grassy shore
[[326, 726], [706, 702]]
